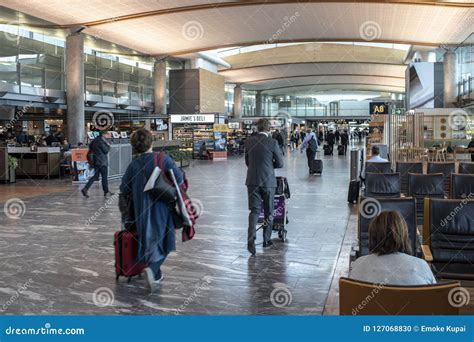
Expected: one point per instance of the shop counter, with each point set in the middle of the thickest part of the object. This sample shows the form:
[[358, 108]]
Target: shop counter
[[45, 161]]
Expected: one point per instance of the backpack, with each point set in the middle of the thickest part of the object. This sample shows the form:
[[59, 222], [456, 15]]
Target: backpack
[[312, 145]]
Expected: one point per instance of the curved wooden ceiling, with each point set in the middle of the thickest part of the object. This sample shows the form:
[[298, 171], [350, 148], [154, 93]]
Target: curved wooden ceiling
[[162, 28]]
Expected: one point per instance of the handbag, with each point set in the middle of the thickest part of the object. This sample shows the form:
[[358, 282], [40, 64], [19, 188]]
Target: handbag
[[159, 186]]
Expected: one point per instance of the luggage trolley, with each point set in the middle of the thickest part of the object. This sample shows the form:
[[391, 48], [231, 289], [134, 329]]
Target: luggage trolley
[[280, 210]]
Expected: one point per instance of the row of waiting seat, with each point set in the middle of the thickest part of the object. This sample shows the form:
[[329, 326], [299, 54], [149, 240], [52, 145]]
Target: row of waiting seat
[[445, 241]]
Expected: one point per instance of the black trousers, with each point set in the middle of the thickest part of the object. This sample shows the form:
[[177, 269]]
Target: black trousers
[[310, 154], [101, 171], [331, 148], [257, 195]]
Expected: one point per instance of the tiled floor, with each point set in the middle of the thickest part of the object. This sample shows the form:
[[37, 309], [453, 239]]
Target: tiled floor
[[58, 262]]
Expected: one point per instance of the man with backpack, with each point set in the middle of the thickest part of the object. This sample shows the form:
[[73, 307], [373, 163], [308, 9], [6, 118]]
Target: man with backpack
[[99, 149], [310, 143]]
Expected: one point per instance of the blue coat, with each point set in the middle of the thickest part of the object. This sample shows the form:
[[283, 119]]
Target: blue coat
[[155, 228]]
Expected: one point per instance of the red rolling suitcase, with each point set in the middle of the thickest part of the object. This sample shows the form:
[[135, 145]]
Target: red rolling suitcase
[[126, 251]]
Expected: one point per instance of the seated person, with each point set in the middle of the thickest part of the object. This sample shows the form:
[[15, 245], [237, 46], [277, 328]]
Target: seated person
[[389, 261], [374, 159], [203, 152]]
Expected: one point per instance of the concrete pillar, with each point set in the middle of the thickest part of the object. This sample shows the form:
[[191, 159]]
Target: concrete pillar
[[159, 84], [258, 103], [237, 102], [450, 79], [74, 69]]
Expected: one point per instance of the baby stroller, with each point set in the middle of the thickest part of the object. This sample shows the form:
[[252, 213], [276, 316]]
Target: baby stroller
[[280, 210]]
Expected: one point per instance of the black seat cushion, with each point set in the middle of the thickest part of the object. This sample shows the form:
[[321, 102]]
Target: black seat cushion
[[404, 169], [453, 270], [462, 186], [371, 207], [378, 167], [466, 168], [382, 185], [451, 225], [425, 185]]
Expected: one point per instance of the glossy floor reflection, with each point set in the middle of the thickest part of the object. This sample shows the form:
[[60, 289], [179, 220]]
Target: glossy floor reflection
[[62, 265]]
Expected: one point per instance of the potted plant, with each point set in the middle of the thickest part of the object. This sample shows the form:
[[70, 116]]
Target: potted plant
[[12, 165]]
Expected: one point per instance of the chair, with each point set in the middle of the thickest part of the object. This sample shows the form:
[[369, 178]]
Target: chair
[[371, 207], [448, 237], [421, 186], [362, 298], [378, 167], [446, 169], [405, 169], [465, 167], [382, 185], [462, 186]]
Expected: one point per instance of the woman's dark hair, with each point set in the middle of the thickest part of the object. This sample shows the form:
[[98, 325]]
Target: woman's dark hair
[[141, 140], [388, 233]]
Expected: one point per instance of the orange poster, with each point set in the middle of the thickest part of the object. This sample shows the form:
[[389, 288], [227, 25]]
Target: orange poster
[[79, 154]]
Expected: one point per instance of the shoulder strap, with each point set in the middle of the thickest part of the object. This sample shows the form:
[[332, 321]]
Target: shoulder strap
[[155, 160], [162, 157]]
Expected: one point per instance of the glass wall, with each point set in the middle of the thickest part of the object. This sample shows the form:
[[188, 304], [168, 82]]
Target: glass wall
[[466, 71], [33, 58], [314, 105]]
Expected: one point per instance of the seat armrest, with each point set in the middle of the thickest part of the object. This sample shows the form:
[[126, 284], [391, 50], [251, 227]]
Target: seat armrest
[[426, 251]]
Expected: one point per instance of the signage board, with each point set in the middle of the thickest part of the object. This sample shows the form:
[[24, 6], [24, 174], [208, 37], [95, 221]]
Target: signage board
[[192, 118], [381, 108], [220, 128]]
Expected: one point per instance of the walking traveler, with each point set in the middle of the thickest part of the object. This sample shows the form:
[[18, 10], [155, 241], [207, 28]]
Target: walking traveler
[[262, 156]]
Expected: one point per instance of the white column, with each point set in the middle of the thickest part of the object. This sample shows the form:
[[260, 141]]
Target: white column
[[237, 102], [450, 79], [74, 69], [159, 84]]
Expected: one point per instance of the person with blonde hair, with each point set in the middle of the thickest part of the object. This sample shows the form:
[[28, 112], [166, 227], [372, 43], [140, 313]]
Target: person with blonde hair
[[390, 261]]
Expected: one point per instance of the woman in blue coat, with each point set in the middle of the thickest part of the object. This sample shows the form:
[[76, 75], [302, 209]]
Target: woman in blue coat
[[155, 227]]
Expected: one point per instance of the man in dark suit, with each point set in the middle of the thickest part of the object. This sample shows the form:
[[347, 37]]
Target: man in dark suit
[[100, 148], [262, 156]]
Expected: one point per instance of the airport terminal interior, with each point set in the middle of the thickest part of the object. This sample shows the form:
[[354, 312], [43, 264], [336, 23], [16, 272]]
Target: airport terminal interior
[[384, 89]]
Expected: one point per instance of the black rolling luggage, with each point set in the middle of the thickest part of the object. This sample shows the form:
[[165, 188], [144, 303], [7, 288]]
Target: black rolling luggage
[[353, 195], [327, 150], [340, 150], [317, 166]]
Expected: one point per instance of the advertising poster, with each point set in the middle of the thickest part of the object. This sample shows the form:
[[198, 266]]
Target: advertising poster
[[80, 165], [220, 141]]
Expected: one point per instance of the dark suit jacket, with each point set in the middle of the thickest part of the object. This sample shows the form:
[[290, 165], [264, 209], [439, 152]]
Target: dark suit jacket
[[100, 148], [262, 156]]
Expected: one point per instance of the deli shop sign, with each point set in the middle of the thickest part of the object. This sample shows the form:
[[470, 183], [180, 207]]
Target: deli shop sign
[[192, 118]]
